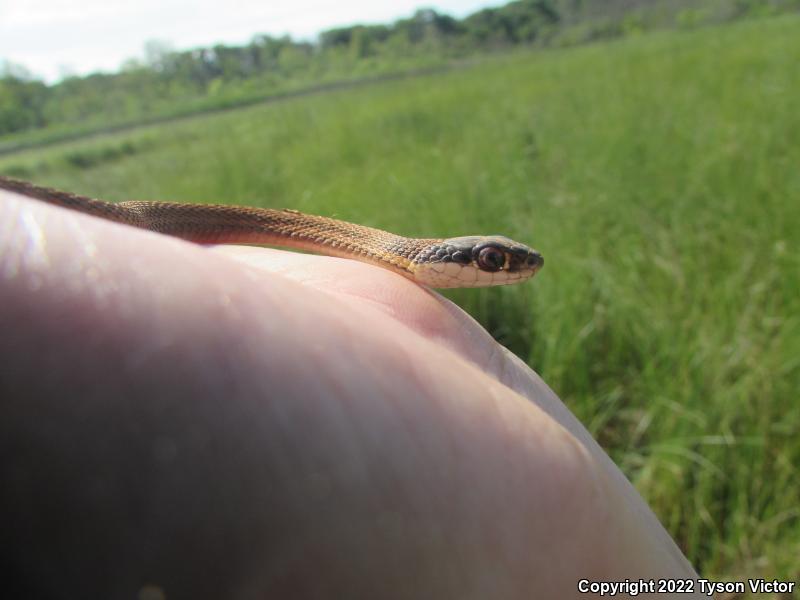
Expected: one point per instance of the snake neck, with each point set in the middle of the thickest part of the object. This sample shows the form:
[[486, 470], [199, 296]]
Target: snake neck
[[220, 224]]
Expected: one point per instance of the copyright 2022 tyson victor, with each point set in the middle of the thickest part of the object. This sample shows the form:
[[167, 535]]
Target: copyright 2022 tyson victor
[[634, 587]]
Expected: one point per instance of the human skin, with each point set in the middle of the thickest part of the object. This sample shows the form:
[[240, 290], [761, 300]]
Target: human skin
[[183, 421]]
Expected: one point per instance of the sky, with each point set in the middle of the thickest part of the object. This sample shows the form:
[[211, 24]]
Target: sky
[[53, 38]]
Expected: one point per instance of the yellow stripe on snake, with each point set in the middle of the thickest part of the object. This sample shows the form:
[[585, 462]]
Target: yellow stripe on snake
[[469, 261]]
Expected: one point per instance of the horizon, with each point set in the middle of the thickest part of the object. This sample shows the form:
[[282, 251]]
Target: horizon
[[55, 39]]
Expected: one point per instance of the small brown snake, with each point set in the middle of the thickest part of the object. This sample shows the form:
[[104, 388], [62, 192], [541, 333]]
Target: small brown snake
[[470, 261]]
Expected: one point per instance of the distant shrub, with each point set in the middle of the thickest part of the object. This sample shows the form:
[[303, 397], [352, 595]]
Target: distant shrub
[[91, 157], [21, 171], [691, 18], [633, 24]]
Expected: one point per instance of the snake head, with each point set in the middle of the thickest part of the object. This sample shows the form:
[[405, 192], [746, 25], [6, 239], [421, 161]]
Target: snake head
[[476, 261]]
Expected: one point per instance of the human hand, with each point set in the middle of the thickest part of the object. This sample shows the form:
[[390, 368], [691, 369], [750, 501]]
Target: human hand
[[243, 422]]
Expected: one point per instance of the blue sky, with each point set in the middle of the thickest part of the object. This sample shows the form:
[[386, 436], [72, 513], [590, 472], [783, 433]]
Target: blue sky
[[56, 37]]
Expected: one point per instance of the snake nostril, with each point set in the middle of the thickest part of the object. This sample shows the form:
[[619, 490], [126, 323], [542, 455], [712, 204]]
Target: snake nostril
[[535, 259]]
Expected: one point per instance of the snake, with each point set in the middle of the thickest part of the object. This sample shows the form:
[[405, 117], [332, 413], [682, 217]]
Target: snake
[[456, 262]]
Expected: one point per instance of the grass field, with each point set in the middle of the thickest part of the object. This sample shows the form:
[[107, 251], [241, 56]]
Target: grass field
[[659, 176]]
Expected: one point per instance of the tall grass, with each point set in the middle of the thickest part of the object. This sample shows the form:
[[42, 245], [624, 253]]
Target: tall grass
[[660, 178]]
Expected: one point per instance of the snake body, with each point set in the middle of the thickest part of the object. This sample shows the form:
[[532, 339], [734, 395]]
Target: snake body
[[470, 261]]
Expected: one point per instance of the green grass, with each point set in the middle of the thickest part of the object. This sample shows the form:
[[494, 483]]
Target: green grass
[[660, 178]]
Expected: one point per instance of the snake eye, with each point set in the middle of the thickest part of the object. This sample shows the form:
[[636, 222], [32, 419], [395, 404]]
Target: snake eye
[[491, 259]]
